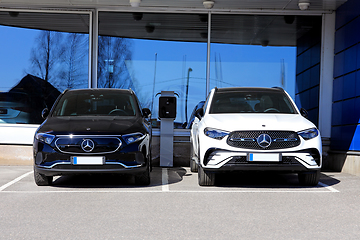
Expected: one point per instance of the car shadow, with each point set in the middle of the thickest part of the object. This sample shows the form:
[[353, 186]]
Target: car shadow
[[94, 181], [124, 181], [268, 180]]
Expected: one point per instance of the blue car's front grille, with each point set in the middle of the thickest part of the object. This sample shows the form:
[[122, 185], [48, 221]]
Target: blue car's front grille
[[87, 144]]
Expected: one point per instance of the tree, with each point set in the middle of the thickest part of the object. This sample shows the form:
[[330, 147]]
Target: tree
[[74, 69], [46, 55], [112, 57]]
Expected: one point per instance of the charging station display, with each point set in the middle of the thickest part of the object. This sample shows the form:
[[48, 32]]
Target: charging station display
[[167, 107]]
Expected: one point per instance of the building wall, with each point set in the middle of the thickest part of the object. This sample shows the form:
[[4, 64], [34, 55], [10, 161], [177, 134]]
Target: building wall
[[308, 73], [345, 131]]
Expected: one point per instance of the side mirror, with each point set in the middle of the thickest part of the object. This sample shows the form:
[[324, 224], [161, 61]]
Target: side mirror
[[45, 113], [146, 112], [304, 113], [199, 113]]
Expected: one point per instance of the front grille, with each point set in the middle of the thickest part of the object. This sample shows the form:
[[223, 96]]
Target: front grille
[[100, 144], [248, 139]]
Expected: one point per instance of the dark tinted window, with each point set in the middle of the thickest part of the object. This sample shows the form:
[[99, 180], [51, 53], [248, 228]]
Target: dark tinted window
[[251, 102], [96, 103]]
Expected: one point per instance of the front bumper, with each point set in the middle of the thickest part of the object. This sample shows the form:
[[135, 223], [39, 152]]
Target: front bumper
[[51, 162], [296, 161]]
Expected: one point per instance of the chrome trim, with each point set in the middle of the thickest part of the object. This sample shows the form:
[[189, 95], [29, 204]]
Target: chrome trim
[[106, 163], [55, 164], [125, 166], [71, 135], [242, 139], [285, 140]]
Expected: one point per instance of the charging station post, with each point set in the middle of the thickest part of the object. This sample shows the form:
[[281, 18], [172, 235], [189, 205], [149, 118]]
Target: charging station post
[[167, 115]]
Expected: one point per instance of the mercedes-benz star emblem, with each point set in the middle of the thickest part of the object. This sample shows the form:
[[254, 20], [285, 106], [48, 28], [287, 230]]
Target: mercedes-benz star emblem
[[264, 140], [87, 145]]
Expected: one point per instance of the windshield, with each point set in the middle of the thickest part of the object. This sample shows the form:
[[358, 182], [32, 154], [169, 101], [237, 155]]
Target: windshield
[[95, 103], [251, 102]]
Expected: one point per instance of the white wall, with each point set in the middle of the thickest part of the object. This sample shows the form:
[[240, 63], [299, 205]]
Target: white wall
[[17, 134]]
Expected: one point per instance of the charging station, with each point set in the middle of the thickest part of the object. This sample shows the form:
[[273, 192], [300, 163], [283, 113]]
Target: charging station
[[167, 115]]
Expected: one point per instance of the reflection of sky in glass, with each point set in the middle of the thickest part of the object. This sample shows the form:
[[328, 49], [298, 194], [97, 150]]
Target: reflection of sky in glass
[[231, 65], [15, 48]]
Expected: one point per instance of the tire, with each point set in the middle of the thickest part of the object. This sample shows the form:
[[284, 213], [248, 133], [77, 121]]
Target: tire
[[193, 165], [205, 178], [143, 179], [42, 180], [309, 178]]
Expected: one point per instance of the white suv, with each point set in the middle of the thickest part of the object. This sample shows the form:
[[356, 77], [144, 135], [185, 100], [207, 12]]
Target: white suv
[[242, 129]]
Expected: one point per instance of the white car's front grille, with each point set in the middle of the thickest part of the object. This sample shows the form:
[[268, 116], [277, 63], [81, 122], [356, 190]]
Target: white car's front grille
[[263, 140]]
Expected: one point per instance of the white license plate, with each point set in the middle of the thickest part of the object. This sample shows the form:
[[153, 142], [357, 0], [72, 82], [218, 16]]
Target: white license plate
[[88, 160], [264, 157]]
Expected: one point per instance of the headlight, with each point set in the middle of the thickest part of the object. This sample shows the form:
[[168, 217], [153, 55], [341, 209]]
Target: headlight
[[134, 137], [215, 133], [44, 137], [309, 133]]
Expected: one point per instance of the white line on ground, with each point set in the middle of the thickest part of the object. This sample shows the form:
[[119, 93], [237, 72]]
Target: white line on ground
[[174, 191], [165, 188], [14, 181], [328, 187], [165, 181]]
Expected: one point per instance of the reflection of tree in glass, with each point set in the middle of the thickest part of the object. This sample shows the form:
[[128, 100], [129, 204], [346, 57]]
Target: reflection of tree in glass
[[74, 70], [112, 70], [46, 55]]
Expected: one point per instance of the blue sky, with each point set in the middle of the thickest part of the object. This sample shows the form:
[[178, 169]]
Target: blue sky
[[15, 48]]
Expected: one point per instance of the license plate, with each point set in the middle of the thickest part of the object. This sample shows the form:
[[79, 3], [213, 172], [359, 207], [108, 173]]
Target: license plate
[[88, 160], [3, 111], [264, 157]]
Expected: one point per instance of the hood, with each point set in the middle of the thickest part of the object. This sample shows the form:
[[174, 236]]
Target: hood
[[267, 122], [92, 125]]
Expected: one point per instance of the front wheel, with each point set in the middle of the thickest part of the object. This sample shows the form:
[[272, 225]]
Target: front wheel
[[42, 180], [143, 179], [193, 164], [309, 178], [205, 178]]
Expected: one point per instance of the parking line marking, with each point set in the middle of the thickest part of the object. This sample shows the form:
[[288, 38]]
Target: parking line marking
[[165, 181], [172, 191], [15, 181], [328, 187]]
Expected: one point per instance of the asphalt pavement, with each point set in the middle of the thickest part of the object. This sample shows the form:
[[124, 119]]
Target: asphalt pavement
[[174, 206]]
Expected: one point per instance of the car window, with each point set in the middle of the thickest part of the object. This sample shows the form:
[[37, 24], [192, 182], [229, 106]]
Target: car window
[[251, 102], [100, 104]]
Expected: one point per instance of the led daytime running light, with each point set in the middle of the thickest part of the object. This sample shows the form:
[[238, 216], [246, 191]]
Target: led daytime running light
[[215, 133], [309, 134], [46, 138], [131, 138]]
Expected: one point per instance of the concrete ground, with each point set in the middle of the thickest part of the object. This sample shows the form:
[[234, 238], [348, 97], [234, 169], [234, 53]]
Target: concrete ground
[[240, 206]]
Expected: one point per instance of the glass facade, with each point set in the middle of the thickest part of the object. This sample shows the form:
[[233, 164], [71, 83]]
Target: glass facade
[[147, 52], [40, 59]]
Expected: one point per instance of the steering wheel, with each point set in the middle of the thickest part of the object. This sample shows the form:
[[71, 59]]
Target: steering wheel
[[118, 112], [271, 110]]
